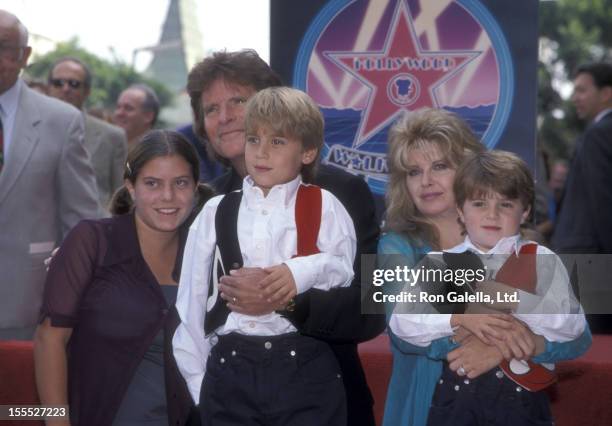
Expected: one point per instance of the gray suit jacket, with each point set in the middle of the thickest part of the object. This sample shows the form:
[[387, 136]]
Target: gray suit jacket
[[107, 148], [47, 185]]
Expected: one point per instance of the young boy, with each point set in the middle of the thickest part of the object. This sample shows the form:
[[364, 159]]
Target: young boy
[[494, 192], [246, 369]]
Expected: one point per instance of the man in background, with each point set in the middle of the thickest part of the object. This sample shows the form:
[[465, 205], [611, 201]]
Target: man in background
[[69, 79], [136, 111], [584, 221]]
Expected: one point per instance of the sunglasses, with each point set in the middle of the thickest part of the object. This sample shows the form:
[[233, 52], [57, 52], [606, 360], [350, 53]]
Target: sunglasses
[[61, 82]]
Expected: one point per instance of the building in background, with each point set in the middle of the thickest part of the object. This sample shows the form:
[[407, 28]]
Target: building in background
[[179, 48]]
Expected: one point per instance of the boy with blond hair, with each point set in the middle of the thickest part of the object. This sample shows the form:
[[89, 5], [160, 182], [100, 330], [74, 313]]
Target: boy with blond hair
[[247, 369]]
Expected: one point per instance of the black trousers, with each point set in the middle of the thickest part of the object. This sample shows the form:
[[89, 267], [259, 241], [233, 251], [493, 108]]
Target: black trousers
[[491, 399], [287, 380]]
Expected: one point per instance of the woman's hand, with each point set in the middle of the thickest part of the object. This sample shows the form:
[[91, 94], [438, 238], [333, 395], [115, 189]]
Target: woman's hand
[[474, 357], [51, 366], [48, 260]]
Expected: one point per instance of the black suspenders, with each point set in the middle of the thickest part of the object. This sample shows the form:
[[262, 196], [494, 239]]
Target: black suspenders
[[227, 255]]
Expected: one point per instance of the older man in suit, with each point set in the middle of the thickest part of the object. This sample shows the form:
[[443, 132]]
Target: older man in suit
[[69, 79], [46, 183]]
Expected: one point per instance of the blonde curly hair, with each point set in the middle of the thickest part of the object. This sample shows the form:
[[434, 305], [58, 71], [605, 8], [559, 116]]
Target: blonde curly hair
[[417, 130]]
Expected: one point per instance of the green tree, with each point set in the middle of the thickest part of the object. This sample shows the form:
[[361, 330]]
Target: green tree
[[109, 77], [580, 30], [572, 32]]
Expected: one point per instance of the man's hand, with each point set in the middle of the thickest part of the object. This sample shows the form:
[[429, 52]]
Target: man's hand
[[474, 356], [241, 290], [279, 287]]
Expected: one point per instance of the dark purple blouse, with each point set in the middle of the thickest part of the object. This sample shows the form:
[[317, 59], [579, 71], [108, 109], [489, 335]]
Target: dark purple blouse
[[100, 285]]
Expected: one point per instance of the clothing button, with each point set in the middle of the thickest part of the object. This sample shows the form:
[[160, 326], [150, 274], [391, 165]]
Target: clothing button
[[268, 345], [222, 360], [264, 212], [466, 381], [499, 374], [456, 387], [519, 389], [252, 324], [339, 376], [292, 353], [233, 353], [258, 246], [441, 381]]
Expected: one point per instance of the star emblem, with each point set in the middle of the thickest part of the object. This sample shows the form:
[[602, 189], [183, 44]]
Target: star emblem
[[400, 77]]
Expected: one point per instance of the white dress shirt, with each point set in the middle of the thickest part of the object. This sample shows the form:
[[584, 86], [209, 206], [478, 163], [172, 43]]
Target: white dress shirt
[[558, 315], [267, 236], [602, 114]]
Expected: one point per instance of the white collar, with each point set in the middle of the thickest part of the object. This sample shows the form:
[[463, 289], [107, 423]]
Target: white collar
[[282, 193], [601, 114], [503, 246], [10, 98]]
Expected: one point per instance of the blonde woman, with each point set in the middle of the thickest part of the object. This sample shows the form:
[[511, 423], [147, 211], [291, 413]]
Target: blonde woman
[[425, 149]]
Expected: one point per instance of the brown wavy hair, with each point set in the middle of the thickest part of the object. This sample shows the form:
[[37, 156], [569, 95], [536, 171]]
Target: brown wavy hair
[[498, 171], [243, 67]]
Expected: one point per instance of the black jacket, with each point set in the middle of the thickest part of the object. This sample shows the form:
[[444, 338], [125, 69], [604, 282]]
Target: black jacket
[[583, 224]]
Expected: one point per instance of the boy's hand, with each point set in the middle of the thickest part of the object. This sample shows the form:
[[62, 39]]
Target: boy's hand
[[242, 293], [460, 335], [483, 325], [517, 342], [279, 287]]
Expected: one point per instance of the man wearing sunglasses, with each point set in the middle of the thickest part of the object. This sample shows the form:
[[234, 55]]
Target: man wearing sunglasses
[[47, 184], [70, 79]]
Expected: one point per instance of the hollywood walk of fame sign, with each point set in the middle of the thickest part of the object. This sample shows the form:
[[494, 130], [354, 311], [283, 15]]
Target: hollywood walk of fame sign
[[367, 62]]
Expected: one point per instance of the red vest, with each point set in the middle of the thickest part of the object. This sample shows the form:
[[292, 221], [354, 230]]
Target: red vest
[[520, 272]]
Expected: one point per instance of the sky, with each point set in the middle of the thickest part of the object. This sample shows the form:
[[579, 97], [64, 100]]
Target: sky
[[114, 28]]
